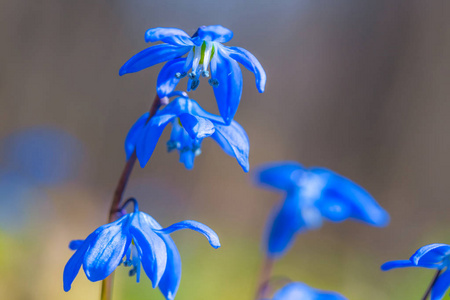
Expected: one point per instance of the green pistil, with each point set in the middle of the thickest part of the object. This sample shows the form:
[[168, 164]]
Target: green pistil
[[202, 53]]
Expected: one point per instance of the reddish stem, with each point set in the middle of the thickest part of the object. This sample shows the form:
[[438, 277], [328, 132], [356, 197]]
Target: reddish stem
[[264, 277]]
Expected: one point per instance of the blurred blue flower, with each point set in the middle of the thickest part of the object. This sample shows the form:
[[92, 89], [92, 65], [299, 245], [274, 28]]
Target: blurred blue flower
[[312, 195], [134, 239], [433, 256], [298, 290], [190, 125], [203, 49]]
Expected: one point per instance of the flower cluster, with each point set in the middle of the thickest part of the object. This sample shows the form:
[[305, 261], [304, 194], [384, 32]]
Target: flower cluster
[[134, 239], [204, 49], [312, 195]]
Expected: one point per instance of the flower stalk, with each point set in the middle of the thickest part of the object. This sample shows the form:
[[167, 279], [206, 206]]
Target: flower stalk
[[264, 278], [428, 291], [106, 293]]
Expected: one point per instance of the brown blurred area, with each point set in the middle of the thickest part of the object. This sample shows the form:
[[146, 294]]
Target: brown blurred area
[[360, 87]]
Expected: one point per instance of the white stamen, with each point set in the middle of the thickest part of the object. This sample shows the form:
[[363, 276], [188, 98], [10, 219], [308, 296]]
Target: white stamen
[[207, 58], [197, 56]]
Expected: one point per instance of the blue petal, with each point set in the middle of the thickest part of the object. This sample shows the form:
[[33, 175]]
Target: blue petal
[[433, 254], [441, 286], [194, 225], [229, 91], [363, 205], [187, 159], [75, 244], [298, 290], [151, 134], [173, 36], [152, 56], [74, 264], [283, 175], [250, 62], [170, 280], [213, 33], [287, 221], [167, 81], [107, 250], [197, 127], [333, 209], [151, 248], [397, 264], [234, 141], [134, 135], [192, 107]]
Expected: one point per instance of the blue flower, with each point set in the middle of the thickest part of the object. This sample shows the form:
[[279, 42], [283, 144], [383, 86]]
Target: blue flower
[[203, 49], [134, 239], [434, 256], [298, 290], [190, 125], [312, 195]]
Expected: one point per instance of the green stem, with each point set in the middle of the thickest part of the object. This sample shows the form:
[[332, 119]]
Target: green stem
[[107, 283]]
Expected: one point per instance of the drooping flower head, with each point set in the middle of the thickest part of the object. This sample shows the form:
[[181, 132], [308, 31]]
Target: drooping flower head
[[433, 256], [134, 239], [300, 291], [204, 50], [313, 195], [190, 125]]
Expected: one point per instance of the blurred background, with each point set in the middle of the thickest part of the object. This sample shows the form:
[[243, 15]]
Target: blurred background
[[360, 87]]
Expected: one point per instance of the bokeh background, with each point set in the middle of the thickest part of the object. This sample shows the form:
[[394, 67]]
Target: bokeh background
[[360, 87]]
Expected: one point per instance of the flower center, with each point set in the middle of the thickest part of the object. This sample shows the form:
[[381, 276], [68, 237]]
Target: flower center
[[197, 61]]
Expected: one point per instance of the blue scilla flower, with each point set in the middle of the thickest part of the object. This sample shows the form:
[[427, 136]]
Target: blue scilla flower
[[203, 49], [190, 125], [298, 290], [313, 195], [434, 256], [134, 239]]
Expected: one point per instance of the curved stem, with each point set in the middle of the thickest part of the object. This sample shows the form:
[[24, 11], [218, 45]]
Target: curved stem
[[264, 277], [428, 291], [106, 293]]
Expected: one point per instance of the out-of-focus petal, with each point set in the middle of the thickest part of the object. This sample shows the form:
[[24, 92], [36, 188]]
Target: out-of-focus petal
[[74, 264], [283, 225], [283, 175], [250, 62], [167, 81], [152, 56], [197, 127], [234, 141], [212, 237], [441, 286], [134, 135], [229, 89], [363, 205], [173, 36], [298, 290], [151, 248], [213, 33], [107, 250], [333, 209], [75, 244]]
